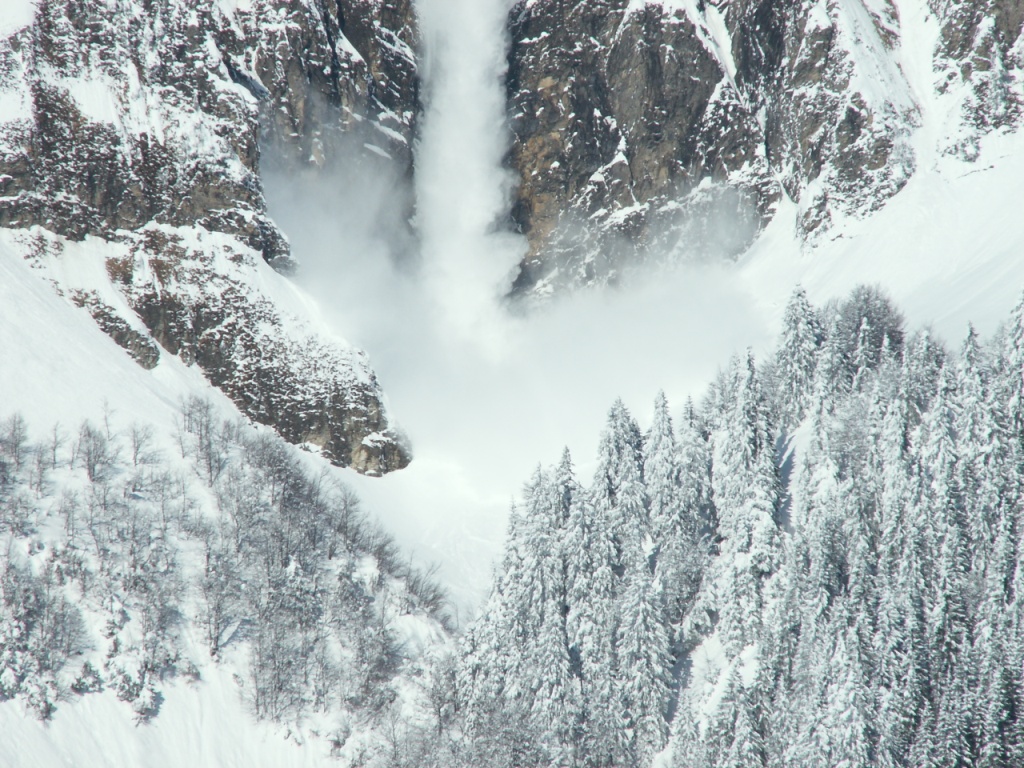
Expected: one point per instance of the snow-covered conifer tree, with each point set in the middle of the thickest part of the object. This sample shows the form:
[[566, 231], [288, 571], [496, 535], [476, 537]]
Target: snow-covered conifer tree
[[796, 357], [688, 747], [980, 448], [733, 737], [678, 478], [618, 488], [864, 355], [746, 493], [643, 670], [829, 383], [670, 519]]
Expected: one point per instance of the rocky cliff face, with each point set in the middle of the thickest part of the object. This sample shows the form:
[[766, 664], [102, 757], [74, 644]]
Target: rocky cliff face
[[674, 126], [978, 63], [628, 133], [135, 125], [667, 128]]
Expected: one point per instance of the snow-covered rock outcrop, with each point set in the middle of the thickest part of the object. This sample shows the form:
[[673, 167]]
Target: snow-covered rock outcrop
[[673, 127], [135, 128]]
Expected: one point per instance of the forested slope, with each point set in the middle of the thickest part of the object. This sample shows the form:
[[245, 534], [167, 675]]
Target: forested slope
[[131, 563], [819, 566]]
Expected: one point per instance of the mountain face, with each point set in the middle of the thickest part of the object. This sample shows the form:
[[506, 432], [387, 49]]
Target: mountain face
[[169, 130], [135, 128], [821, 563], [640, 131], [674, 127]]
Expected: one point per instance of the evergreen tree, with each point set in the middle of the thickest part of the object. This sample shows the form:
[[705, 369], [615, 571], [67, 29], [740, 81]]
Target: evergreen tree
[[1001, 732], [618, 489], [864, 355], [734, 740], [677, 477], [554, 690], [591, 624], [847, 716], [980, 449], [644, 666], [670, 519], [950, 738], [923, 358], [1013, 372], [796, 358], [829, 384], [533, 582], [688, 747], [746, 492]]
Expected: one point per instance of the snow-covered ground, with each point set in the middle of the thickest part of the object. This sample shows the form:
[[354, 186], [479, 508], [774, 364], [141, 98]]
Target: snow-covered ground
[[485, 394], [204, 725], [15, 15], [948, 247], [57, 366]]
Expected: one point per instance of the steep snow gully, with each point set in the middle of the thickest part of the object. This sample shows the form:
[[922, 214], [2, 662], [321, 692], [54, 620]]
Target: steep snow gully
[[484, 391]]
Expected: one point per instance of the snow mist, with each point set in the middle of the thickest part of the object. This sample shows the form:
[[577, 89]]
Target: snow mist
[[484, 394], [462, 191], [483, 408]]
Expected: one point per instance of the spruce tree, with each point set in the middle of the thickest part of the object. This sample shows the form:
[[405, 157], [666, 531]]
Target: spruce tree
[[746, 492], [618, 488], [670, 519], [676, 475], [796, 358], [643, 665]]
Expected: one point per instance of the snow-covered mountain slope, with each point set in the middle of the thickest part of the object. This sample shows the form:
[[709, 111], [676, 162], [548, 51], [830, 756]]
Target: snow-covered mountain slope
[[130, 615], [200, 725], [204, 298], [483, 393], [947, 247], [671, 130], [56, 366], [143, 316], [144, 143]]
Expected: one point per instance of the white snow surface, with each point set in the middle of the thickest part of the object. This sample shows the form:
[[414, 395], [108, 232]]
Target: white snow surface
[[56, 365], [15, 15], [202, 725], [948, 248], [485, 394]]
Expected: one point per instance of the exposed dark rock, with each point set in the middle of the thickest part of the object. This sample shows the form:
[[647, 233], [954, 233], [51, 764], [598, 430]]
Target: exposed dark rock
[[310, 391], [629, 138], [139, 345], [179, 145], [979, 50], [673, 129]]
